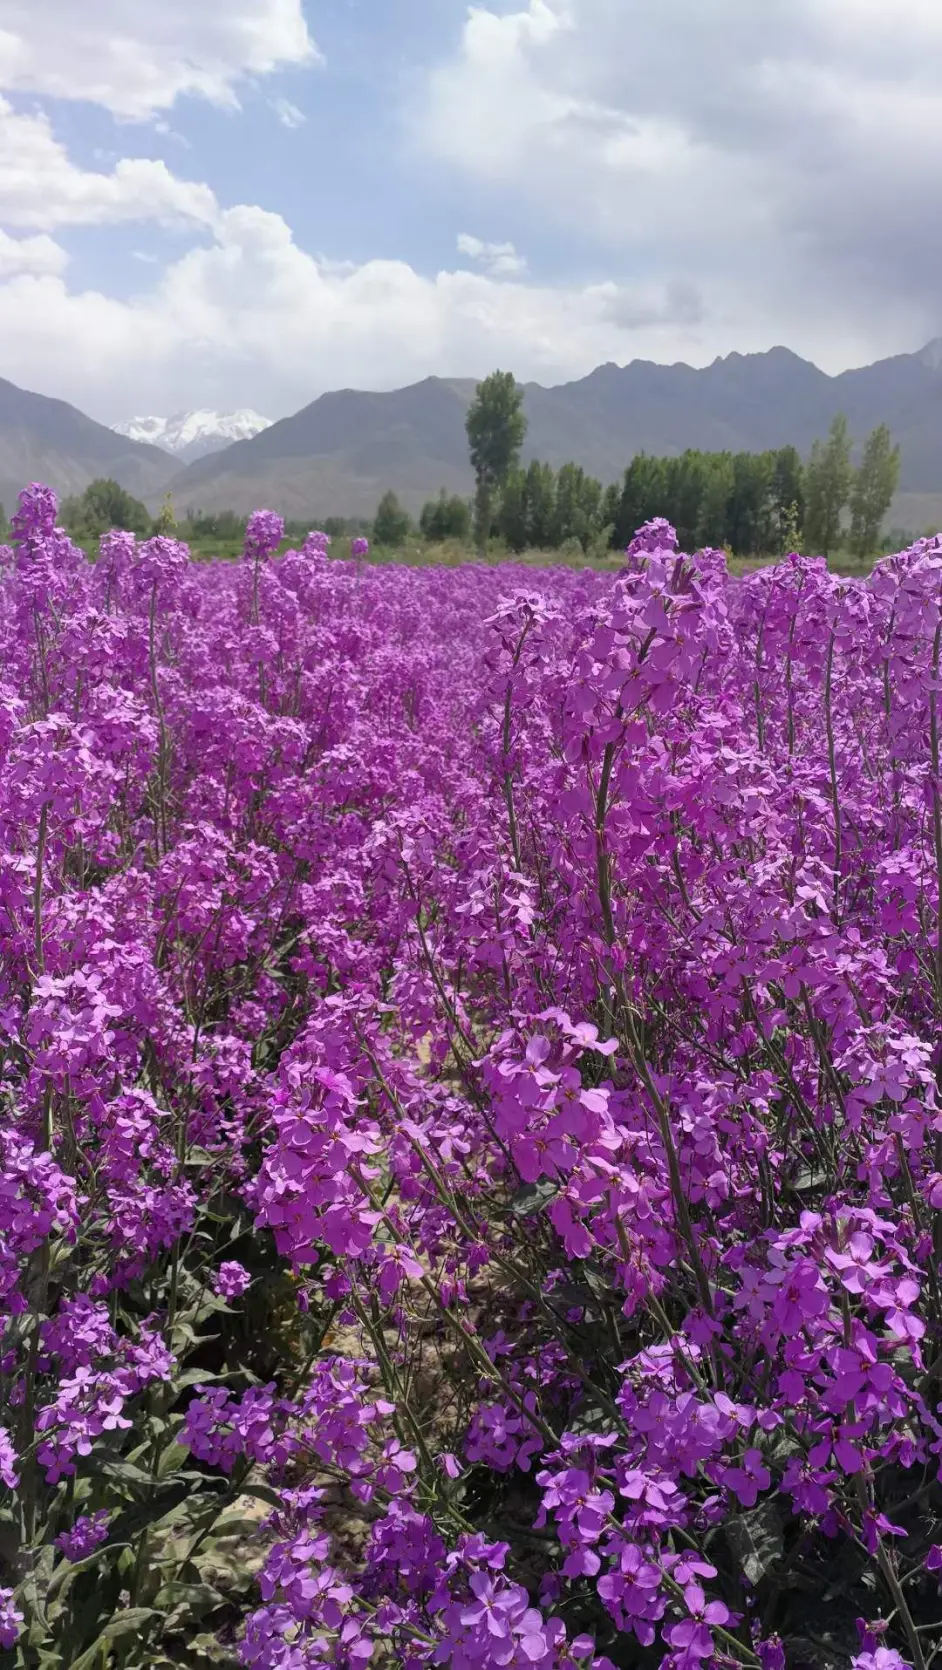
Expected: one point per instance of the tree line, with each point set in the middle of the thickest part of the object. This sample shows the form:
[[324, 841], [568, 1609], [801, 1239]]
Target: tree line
[[753, 503], [105, 505]]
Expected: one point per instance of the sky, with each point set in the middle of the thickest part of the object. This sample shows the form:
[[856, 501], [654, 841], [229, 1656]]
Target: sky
[[244, 203]]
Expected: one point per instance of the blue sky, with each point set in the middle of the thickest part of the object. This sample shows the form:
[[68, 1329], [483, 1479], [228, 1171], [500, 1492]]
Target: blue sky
[[245, 202], [343, 177]]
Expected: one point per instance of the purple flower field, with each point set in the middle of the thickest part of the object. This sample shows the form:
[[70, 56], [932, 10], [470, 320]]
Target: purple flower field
[[471, 1056]]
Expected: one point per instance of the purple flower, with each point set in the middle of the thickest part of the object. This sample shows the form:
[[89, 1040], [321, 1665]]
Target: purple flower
[[11, 1620], [656, 535], [749, 1479], [232, 1279], [87, 1534], [9, 1464], [263, 535], [693, 1636], [35, 516], [319, 905], [881, 1658]]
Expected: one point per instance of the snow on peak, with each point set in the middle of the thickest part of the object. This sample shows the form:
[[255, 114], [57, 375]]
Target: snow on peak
[[191, 435]]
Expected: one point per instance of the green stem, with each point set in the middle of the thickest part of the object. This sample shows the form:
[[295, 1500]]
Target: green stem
[[38, 951]]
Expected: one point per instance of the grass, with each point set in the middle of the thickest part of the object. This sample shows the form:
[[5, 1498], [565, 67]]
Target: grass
[[417, 553]]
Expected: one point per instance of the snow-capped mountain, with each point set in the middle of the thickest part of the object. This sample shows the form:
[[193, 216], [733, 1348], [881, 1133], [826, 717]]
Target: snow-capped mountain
[[192, 435]]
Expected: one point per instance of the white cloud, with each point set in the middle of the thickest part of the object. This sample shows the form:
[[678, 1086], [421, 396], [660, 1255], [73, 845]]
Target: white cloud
[[38, 256], [247, 317], [136, 57], [253, 320], [41, 187], [501, 260], [785, 158], [288, 114], [715, 201]]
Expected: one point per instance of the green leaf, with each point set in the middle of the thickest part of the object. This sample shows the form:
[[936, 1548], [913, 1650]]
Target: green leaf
[[188, 1602], [806, 1181], [533, 1197], [123, 1623], [569, 1295], [115, 1467], [235, 1525], [199, 1157], [34, 1590], [196, 1377], [171, 1459], [206, 1649], [160, 1507], [184, 1335], [66, 1573], [90, 1659], [94, 1597], [756, 1540], [126, 1562]]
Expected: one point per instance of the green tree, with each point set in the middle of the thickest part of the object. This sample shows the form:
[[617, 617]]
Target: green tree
[[391, 524], [749, 524], [576, 512], [541, 505], [337, 527], [686, 482], [874, 484], [165, 522], [104, 505], [713, 525], [219, 524], [513, 520], [608, 510], [590, 507], [828, 479], [788, 498], [447, 517], [643, 496], [496, 428]]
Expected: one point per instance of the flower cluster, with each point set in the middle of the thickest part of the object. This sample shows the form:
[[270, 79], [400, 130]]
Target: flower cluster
[[470, 1052]]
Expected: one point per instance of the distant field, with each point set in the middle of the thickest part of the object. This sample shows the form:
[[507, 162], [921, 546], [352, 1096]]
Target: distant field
[[417, 554]]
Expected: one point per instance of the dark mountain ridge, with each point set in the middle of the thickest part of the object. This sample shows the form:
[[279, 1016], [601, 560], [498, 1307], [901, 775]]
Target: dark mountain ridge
[[337, 455], [48, 440]]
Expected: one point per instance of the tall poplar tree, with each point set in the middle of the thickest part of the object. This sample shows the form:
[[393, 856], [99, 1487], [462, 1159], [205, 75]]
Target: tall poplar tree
[[875, 482], [828, 480], [496, 428]]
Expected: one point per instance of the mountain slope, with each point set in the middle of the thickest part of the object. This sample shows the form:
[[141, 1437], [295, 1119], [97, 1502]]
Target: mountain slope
[[192, 435], [50, 441], [344, 449], [337, 455]]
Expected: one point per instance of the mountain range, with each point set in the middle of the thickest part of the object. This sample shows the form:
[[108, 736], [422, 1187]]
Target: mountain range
[[192, 435], [338, 455], [50, 441]]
